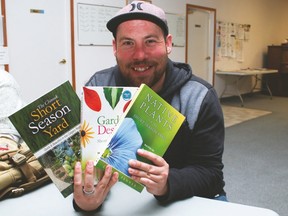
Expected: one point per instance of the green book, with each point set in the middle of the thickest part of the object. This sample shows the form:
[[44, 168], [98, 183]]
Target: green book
[[101, 109], [150, 123], [50, 126]]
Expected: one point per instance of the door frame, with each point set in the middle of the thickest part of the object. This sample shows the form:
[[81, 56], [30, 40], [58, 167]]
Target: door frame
[[212, 13]]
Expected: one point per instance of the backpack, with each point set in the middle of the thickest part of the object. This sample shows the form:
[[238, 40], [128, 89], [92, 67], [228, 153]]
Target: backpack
[[20, 171]]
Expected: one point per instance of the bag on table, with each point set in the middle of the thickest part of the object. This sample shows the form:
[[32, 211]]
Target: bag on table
[[20, 171]]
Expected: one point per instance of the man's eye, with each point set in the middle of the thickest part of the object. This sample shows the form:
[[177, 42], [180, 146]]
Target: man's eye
[[127, 43], [150, 42]]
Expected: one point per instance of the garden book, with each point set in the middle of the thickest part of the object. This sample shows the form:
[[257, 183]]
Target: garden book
[[50, 126], [101, 109], [150, 123]]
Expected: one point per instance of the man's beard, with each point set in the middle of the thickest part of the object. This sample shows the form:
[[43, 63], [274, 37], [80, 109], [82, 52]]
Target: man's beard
[[150, 81]]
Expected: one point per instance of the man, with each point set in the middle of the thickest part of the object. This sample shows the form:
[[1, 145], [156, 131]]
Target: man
[[193, 163]]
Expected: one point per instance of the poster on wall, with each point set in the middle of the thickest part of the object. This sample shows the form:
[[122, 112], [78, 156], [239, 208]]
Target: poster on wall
[[230, 38], [4, 57], [176, 25], [1, 31]]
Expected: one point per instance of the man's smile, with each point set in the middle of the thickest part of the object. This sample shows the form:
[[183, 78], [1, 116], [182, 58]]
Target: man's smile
[[141, 69]]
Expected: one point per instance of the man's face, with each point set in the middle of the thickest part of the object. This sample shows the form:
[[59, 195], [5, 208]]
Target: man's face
[[141, 52]]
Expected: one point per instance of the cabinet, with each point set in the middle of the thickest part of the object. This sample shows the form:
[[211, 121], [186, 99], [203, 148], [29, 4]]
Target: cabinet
[[284, 59], [277, 58]]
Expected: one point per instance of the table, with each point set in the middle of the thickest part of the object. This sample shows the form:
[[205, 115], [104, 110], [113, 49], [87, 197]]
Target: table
[[123, 201], [240, 74]]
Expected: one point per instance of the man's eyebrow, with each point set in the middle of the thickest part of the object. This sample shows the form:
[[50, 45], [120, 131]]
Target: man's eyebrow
[[151, 36], [124, 38]]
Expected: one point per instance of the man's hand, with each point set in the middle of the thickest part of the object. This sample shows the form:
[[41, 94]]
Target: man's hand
[[154, 176], [90, 197]]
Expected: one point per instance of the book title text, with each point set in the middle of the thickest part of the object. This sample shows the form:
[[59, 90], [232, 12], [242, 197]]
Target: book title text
[[158, 112], [46, 114]]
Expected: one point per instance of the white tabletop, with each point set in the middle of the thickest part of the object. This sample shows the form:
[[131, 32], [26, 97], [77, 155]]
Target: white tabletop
[[123, 201], [247, 72]]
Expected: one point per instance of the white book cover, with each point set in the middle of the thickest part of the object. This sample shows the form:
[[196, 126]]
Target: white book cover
[[101, 109]]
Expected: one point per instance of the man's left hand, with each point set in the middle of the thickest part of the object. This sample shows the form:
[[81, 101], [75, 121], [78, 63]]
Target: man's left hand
[[154, 176]]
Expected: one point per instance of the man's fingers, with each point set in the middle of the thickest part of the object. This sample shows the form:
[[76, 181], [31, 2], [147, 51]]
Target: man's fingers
[[107, 181], [155, 159], [104, 185], [113, 181], [77, 179], [89, 177], [108, 176]]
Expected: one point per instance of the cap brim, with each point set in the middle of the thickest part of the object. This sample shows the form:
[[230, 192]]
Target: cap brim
[[116, 21]]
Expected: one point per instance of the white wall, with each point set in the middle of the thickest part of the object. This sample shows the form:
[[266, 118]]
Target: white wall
[[268, 21], [90, 59]]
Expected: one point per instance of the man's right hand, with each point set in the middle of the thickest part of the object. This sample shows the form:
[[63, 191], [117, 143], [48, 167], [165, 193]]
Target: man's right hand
[[87, 196]]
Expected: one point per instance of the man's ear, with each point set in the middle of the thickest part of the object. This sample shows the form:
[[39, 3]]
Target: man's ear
[[169, 43], [169, 50], [114, 47]]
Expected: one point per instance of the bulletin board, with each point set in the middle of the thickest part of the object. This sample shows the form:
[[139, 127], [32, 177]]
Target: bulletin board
[[230, 38], [91, 23], [92, 20], [176, 25]]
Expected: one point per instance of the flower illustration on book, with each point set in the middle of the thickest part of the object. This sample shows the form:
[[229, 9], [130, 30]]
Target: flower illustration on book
[[123, 146], [86, 133], [92, 99]]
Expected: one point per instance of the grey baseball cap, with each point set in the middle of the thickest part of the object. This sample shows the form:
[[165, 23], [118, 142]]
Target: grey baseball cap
[[139, 10]]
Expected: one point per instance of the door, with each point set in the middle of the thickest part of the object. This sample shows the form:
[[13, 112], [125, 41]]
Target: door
[[39, 44], [200, 41]]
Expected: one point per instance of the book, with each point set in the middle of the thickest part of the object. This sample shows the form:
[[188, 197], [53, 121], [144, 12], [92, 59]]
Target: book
[[50, 126], [101, 108], [150, 123]]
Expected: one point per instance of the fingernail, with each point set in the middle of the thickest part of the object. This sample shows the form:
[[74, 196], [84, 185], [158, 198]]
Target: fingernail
[[132, 162], [90, 164], [130, 171], [78, 165], [109, 169], [141, 151]]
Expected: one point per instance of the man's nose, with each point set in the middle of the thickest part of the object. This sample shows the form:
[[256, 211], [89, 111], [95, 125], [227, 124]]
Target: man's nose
[[139, 53]]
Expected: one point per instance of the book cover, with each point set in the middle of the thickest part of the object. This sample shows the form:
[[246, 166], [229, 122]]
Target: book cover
[[101, 109], [50, 126], [150, 123]]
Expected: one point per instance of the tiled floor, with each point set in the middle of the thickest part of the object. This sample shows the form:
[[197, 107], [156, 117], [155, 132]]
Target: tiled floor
[[236, 115]]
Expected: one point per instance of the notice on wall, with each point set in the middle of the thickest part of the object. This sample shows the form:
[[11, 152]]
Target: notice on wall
[[1, 31], [230, 38], [176, 25], [4, 57]]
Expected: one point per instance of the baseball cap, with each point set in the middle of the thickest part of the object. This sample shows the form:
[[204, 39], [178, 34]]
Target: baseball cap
[[139, 10]]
